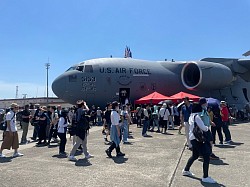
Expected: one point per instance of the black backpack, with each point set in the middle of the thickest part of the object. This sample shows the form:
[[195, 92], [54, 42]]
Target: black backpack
[[83, 123], [198, 133]]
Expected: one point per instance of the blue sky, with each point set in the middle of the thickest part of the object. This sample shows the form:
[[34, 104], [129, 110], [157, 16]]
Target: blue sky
[[69, 32]]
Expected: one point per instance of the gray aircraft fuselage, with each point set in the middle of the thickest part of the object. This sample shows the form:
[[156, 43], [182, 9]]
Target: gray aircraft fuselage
[[103, 80]]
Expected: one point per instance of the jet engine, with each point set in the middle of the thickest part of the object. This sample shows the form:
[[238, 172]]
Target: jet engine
[[206, 75]]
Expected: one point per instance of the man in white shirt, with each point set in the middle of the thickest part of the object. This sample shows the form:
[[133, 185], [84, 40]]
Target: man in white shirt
[[164, 117], [10, 135]]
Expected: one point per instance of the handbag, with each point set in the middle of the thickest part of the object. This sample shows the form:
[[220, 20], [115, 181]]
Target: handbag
[[198, 133]]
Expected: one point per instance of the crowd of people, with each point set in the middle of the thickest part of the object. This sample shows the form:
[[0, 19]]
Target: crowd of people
[[51, 123]]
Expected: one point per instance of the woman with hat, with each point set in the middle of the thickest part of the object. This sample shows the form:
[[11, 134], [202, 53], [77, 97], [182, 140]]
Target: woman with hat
[[10, 134]]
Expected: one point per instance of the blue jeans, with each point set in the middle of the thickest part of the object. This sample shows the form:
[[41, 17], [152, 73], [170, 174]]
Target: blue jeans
[[156, 122], [145, 127], [35, 131], [125, 131], [99, 120]]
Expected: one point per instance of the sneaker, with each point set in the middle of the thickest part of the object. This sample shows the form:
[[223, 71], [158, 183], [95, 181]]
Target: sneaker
[[2, 155], [120, 154], [89, 156], [228, 143], [63, 153], [72, 158], [214, 157], [208, 180], [187, 173], [17, 154], [108, 153]]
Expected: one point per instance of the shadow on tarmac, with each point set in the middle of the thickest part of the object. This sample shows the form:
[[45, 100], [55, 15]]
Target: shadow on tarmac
[[231, 145], [167, 133], [59, 156], [52, 145], [237, 143], [148, 136], [83, 163], [128, 143], [225, 146], [6, 159], [131, 137], [215, 162], [206, 184], [119, 160]]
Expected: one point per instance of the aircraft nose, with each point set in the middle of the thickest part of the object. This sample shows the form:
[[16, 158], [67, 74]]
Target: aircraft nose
[[58, 86]]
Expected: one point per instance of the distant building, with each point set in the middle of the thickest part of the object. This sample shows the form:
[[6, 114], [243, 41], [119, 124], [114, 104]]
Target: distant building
[[53, 101]]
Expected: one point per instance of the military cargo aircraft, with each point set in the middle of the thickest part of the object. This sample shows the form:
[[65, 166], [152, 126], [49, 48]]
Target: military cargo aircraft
[[99, 81]]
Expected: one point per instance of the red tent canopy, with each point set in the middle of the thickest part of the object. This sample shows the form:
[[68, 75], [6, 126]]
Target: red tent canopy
[[153, 98], [181, 95]]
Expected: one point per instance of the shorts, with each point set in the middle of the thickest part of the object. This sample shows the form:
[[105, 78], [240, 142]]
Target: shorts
[[10, 141]]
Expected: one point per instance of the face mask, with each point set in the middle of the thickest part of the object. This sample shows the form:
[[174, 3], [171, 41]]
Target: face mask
[[204, 107]]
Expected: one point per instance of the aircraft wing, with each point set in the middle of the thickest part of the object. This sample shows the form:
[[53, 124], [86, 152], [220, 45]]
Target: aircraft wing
[[239, 67]]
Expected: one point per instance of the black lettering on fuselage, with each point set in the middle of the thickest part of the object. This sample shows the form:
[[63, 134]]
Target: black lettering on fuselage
[[125, 70]]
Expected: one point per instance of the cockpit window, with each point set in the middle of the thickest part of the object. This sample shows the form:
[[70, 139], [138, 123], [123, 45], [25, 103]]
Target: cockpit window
[[79, 68], [85, 68], [71, 68], [88, 69]]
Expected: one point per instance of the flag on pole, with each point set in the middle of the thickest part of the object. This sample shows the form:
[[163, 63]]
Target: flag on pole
[[128, 53]]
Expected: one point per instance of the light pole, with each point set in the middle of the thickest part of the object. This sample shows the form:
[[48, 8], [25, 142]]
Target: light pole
[[47, 65]]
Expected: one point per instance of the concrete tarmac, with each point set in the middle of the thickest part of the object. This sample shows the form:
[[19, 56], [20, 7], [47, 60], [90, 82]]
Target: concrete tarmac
[[155, 161]]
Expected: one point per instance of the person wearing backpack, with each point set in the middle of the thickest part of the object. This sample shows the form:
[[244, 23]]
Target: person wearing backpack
[[10, 134], [82, 128], [204, 115], [198, 147]]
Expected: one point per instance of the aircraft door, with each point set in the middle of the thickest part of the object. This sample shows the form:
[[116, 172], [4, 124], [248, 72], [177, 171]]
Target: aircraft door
[[124, 95], [244, 90], [90, 98]]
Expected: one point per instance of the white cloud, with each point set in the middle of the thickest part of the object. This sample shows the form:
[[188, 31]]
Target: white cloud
[[8, 90]]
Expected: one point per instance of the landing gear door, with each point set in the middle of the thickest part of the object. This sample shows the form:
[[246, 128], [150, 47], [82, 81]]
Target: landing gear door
[[124, 95]]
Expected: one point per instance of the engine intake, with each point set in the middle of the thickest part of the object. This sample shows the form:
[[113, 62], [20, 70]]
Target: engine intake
[[205, 75]]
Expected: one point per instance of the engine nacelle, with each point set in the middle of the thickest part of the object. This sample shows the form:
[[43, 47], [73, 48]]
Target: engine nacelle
[[206, 75]]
